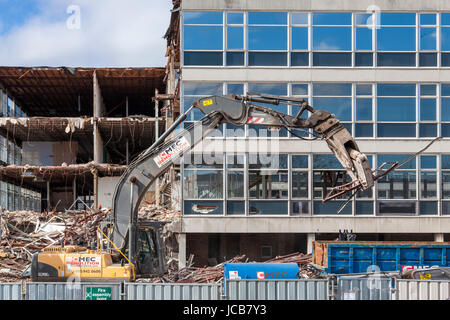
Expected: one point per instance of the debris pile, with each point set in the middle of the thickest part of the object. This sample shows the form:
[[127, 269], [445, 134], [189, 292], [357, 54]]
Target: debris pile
[[214, 274]]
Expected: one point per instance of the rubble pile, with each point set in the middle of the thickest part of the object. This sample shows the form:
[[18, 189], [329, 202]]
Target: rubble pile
[[214, 274]]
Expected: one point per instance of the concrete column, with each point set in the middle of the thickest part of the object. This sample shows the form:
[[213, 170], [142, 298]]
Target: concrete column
[[181, 250], [310, 237], [98, 111], [439, 237], [157, 190], [95, 182], [48, 196]]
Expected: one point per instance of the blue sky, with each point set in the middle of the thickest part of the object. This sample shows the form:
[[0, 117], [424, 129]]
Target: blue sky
[[107, 33]]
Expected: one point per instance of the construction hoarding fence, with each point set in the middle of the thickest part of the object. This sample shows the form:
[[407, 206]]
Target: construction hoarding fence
[[302, 289], [73, 291], [11, 291], [372, 287], [171, 291]]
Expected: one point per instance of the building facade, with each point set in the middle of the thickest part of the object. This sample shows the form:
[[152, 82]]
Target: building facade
[[382, 67]]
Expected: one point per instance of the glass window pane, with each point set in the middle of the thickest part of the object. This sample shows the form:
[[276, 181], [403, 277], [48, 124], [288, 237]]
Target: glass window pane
[[396, 59], [267, 184], [235, 207], [364, 109], [235, 58], [428, 19], [397, 185], [199, 160], [299, 18], [203, 38], [428, 109], [445, 130], [445, 19], [428, 90], [397, 19], [445, 89], [299, 59], [267, 18], [203, 58], [445, 159], [299, 161], [332, 207], [279, 89], [300, 184], [234, 131], [363, 19], [387, 89], [235, 88], [326, 161], [428, 162], [202, 88], [428, 185], [340, 107], [427, 38], [267, 59], [203, 207], [396, 207], [363, 59], [445, 109], [299, 207], [396, 39], [235, 37], [363, 39], [446, 184], [235, 161], [299, 89], [364, 207], [364, 89], [445, 59], [411, 164], [332, 38], [267, 161], [332, 18], [299, 38], [445, 39], [203, 184], [202, 17], [392, 130], [235, 184], [267, 207], [396, 109], [332, 59], [267, 38], [235, 18], [427, 130], [428, 207], [332, 89], [363, 130]]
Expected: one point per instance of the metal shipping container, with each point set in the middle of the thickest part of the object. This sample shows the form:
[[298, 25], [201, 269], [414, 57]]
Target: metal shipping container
[[173, 291], [422, 290], [301, 289], [343, 257]]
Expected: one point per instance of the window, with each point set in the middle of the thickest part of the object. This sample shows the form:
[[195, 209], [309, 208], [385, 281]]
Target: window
[[445, 39], [396, 40], [428, 185], [364, 111], [267, 38], [235, 39], [299, 39], [267, 180], [364, 40], [300, 90], [427, 40], [235, 184], [328, 173], [335, 98], [396, 103], [203, 180], [397, 190], [300, 183], [332, 39], [427, 111], [232, 130], [445, 183], [445, 110], [203, 38]]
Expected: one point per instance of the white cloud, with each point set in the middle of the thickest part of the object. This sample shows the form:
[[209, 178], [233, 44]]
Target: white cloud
[[112, 33]]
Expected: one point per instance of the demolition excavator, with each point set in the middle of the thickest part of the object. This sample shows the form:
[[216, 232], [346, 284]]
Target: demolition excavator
[[127, 248]]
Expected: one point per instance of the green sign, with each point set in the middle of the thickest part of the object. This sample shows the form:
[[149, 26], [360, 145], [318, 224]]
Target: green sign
[[98, 293]]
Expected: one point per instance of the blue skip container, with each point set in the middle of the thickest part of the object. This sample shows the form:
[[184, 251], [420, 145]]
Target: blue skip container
[[261, 271]]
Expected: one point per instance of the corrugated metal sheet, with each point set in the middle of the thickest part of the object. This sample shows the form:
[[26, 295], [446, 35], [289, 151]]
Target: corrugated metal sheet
[[302, 289], [66, 290], [364, 288], [173, 291], [422, 290], [10, 291]]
